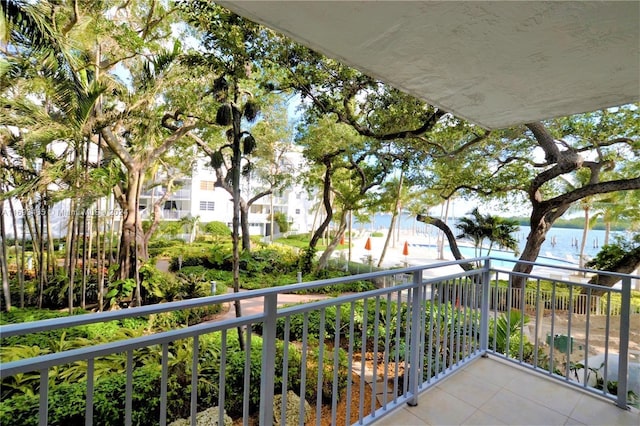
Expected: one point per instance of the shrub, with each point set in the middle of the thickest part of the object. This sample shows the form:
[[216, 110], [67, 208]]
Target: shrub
[[67, 402], [217, 229]]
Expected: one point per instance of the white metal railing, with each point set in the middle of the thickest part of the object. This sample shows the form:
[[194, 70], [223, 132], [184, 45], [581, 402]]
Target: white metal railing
[[397, 340]]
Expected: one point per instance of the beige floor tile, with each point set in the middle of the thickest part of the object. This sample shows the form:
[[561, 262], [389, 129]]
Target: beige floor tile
[[550, 394], [400, 417], [437, 407], [492, 371], [492, 392], [573, 422], [594, 411], [481, 418], [469, 388], [513, 409]]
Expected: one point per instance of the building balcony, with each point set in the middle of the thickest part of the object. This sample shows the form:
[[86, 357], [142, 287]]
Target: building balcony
[[166, 214], [431, 345]]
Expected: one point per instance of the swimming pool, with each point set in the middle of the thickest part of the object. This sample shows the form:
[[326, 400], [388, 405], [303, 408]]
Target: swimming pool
[[500, 258]]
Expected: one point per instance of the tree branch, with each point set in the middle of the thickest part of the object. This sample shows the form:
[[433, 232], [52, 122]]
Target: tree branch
[[453, 244]]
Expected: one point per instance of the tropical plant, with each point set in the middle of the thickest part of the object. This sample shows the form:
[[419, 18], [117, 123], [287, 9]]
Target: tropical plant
[[505, 331], [480, 227]]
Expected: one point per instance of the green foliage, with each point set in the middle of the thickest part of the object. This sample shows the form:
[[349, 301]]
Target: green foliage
[[183, 317], [612, 256], [506, 329], [67, 402], [217, 229], [281, 219], [495, 229], [307, 259], [119, 291]]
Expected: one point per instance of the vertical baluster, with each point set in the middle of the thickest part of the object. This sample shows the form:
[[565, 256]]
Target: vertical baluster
[[163, 382], [303, 372], [194, 379], [523, 312], [539, 308], [321, 331], [623, 361], [484, 307], [129, 390], [223, 369], [553, 323], [336, 366], [396, 371], [430, 331], [247, 375], [376, 335], [569, 343], [285, 370], [606, 340], [438, 324], [465, 321], [586, 337], [268, 358], [414, 371], [350, 359], [508, 317], [43, 409], [88, 417], [387, 338], [363, 358]]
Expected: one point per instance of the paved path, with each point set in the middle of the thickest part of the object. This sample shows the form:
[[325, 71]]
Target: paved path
[[256, 304]]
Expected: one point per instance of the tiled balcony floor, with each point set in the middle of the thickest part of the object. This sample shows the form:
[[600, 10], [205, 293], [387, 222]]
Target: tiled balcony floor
[[492, 392]]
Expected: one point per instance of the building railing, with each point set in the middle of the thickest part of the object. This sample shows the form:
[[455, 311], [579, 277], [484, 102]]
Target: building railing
[[166, 214], [386, 345]]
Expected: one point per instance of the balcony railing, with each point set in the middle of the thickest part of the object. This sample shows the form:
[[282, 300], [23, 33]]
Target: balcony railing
[[401, 339], [166, 214]]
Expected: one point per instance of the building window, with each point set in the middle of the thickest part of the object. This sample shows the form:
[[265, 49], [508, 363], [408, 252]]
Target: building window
[[297, 211], [207, 185], [207, 205]]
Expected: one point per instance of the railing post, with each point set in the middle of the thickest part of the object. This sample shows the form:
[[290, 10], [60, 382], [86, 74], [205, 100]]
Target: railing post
[[484, 308], [267, 378], [414, 342], [623, 358]]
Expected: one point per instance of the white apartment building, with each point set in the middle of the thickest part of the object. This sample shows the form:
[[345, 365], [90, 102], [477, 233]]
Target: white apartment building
[[198, 196]]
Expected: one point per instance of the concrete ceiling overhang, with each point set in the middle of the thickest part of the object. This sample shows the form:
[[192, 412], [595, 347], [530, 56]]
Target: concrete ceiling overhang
[[496, 64]]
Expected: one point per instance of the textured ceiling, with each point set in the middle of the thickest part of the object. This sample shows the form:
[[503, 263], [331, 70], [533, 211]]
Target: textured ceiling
[[493, 63]]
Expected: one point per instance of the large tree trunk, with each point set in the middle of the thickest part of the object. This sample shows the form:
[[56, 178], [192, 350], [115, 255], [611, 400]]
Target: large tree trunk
[[4, 267], [326, 201], [323, 262], [236, 159], [394, 217], [585, 232], [445, 218], [132, 241], [541, 222], [19, 268], [244, 224]]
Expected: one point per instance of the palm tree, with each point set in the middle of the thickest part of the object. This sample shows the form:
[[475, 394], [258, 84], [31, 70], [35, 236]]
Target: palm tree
[[495, 229], [473, 228]]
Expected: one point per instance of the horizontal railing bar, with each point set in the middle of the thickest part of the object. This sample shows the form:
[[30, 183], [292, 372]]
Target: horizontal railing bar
[[45, 361], [567, 268], [561, 281]]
